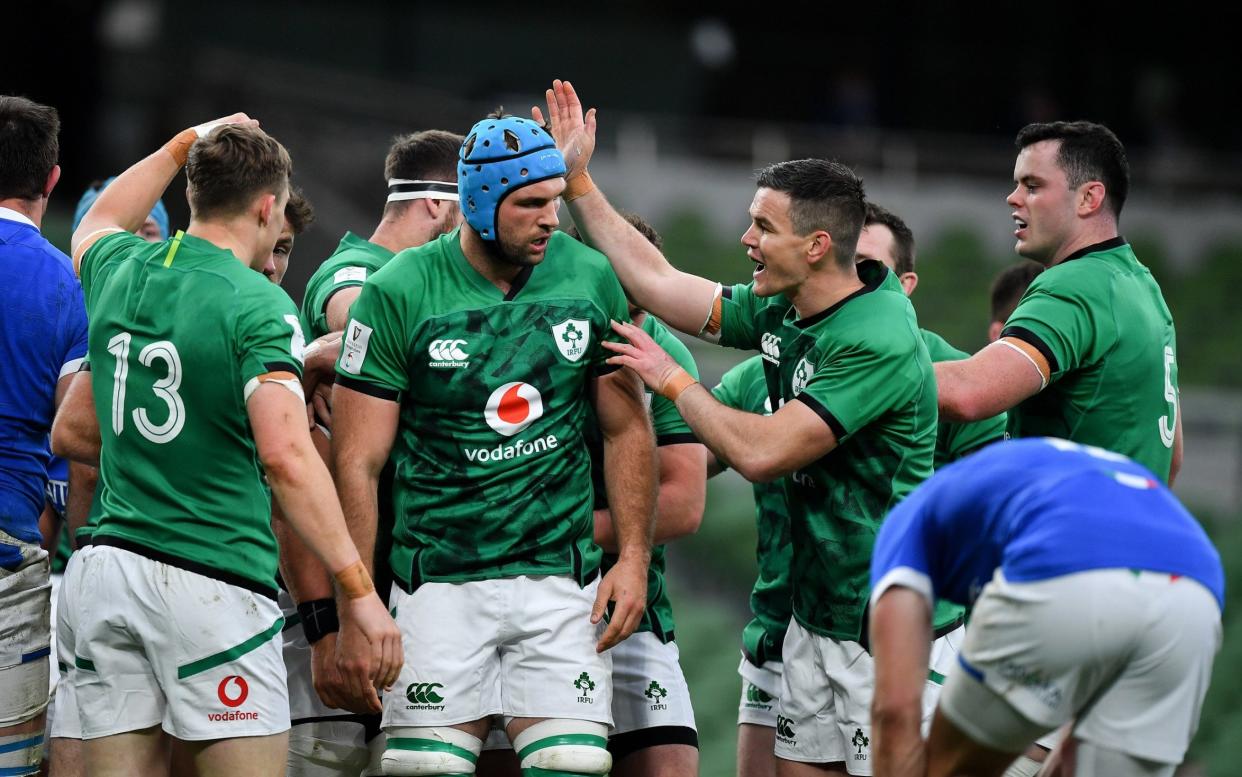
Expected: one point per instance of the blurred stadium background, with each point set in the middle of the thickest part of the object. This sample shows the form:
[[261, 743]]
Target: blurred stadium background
[[924, 101]]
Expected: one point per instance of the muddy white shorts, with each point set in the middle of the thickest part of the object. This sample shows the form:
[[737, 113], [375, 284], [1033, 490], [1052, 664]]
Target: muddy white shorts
[[517, 647], [25, 633], [824, 714], [1127, 654], [156, 644]]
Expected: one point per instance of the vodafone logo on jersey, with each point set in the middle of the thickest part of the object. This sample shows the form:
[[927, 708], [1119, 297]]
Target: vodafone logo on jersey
[[513, 407]]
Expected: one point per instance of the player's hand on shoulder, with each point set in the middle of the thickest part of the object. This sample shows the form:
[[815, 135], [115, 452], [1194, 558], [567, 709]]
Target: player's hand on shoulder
[[625, 586]]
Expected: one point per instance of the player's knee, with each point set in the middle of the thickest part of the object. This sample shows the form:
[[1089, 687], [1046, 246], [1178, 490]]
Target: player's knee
[[411, 752], [564, 747], [21, 754]]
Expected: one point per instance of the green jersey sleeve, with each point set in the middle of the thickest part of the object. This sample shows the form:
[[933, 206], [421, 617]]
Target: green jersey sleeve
[[612, 299], [269, 334], [103, 252], [1058, 322], [374, 346], [321, 290], [852, 388], [739, 309]]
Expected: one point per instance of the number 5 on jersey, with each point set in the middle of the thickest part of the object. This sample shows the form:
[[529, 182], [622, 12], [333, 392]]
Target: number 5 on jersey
[[165, 388]]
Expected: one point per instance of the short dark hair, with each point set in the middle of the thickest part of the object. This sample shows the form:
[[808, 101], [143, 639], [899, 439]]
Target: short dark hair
[[229, 167], [903, 238], [1088, 152], [29, 147], [637, 222], [430, 155], [1009, 286], [825, 195], [299, 213]]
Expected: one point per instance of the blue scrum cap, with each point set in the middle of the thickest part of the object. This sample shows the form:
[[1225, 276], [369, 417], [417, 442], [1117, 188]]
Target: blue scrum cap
[[498, 157], [159, 212]]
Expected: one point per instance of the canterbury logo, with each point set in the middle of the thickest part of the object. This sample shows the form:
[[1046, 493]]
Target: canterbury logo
[[424, 693], [784, 727], [770, 346], [447, 351], [756, 695]]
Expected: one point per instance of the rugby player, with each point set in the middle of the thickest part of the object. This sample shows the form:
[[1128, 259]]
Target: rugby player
[[42, 343], [846, 369], [183, 537], [1090, 352], [886, 239], [1053, 538], [473, 361], [331, 730]]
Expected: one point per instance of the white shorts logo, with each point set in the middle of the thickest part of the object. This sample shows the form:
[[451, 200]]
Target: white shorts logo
[[572, 337], [357, 335], [770, 346], [513, 407], [802, 376], [447, 353]]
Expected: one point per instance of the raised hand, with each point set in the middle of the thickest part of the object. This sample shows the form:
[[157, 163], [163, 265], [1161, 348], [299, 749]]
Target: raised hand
[[573, 131]]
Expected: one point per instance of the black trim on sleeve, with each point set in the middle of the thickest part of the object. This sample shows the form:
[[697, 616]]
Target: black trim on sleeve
[[336, 289], [837, 428], [679, 438], [726, 291], [606, 369], [1033, 340], [370, 389], [187, 565], [622, 745], [1107, 245], [282, 367], [85, 366], [523, 277], [869, 285]]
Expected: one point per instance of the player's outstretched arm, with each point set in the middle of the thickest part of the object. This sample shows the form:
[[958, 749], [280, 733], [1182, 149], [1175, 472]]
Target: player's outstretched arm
[[679, 502], [304, 488], [123, 206], [901, 637], [992, 381], [629, 478], [760, 447], [75, 430], [682, 300]]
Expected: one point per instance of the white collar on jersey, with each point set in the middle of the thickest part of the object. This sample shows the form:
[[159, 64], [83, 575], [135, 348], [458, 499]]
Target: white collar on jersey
[[9, 214]]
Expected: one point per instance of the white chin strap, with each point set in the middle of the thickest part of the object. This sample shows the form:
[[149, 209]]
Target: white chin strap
[[406, 189]]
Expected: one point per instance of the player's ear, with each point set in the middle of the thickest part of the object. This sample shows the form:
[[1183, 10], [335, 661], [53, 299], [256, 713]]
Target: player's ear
[[267, 204], [819, 246], [1090, 197], [52, 178]]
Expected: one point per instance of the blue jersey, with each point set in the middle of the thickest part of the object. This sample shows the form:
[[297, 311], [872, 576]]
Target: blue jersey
[[57, 484], [42, 337], [1037, 509]]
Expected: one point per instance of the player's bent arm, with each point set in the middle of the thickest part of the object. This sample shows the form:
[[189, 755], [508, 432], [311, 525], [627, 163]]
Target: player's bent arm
[[303, 573], [630, 482], [336, 312], [993, 380], [82, 480], [363, 431], [901, 636], [761, 448], [75, 430], [681, 300], [679, 502]]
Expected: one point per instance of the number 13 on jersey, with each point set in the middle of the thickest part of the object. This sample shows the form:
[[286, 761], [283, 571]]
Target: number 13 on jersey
[[165, 388]]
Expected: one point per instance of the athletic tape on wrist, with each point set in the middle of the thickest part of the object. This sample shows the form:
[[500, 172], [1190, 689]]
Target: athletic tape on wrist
[[180, 144], [677, 383], [577, 186], [355, 581], [319, 619], [406, 189]]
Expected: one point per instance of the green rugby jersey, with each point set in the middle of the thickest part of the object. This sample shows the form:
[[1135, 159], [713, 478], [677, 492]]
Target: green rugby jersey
[[492, 469], [863, 368], [349, 265], [955, 440], [1100, 320], [744, 387], [670, 429], [180, 333]]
